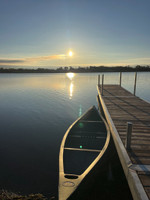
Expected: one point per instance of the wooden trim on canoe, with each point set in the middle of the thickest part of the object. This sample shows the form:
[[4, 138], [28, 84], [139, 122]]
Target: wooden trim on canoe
[[78, 149], [84, 121], [81, 136], [81, 132]]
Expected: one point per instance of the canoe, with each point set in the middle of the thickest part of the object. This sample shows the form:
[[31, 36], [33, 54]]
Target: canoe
[[82, 153]]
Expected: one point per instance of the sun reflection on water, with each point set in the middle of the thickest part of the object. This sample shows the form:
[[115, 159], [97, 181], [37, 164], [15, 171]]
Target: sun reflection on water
[[70, 75], [71, 90]]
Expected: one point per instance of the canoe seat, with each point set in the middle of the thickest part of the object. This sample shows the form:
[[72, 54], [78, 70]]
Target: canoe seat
[[86, 142]]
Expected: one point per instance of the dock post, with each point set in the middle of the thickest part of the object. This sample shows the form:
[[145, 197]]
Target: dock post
[[120, 78], [102, 83], [129, 134], [135, 83], [98, 80]]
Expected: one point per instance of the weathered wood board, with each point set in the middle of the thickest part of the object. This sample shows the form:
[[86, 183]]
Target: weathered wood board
[[120, 107]]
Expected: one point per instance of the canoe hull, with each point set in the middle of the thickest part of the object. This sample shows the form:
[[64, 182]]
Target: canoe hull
[[83, 189], [90, 158]]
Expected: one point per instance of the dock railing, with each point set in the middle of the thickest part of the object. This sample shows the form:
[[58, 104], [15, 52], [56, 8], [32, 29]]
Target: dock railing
[[101, 85], [128, 120]]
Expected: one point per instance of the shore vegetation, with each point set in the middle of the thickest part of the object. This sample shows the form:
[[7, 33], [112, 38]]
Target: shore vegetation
[[89, 69]]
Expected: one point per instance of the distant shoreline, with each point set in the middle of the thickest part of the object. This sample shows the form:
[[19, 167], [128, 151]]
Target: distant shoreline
[[90, 69]]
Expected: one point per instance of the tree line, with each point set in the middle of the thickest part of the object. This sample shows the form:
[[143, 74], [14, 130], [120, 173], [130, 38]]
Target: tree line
[[77, 70]]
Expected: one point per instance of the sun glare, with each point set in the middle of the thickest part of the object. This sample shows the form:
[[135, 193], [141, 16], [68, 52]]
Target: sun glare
[[70, 53], [70, 75]]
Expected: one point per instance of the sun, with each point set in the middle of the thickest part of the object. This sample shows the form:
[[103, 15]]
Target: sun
[[70, 53]]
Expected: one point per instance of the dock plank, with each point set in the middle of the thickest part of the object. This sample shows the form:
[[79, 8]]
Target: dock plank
[[120, 107]]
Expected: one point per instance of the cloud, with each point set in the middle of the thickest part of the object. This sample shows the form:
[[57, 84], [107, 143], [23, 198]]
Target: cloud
[[43, 58], [9, 61], [30, 60]]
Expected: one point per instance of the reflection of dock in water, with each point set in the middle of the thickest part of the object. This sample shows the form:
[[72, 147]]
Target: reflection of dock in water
[[129, 119]]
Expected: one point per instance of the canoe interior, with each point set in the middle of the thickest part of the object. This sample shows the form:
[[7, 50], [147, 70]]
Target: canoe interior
[[84, 142], [76, 162], [87, 136], [91, 115]]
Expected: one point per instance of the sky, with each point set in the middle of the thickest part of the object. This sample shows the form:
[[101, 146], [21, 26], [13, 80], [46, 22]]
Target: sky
[[40, 33]]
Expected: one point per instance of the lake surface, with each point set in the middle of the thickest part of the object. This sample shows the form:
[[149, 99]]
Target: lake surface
[[35, 112]]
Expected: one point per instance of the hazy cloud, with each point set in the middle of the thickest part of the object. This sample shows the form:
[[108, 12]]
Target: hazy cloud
[[31, 59], [3, 61], [42, 58]]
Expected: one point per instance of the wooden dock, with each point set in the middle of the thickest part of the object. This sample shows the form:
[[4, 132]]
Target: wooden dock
[[121, 107]]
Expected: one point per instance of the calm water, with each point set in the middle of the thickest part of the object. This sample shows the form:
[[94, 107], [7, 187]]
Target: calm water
[[35, 112]]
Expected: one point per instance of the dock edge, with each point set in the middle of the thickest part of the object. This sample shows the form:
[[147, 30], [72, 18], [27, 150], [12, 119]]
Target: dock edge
[[135, 185]]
